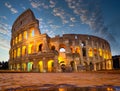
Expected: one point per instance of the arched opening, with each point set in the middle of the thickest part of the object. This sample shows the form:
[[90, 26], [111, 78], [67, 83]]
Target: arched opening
[[62, 49], [100, 52], [20, 37], [18, 66], [24, 66], [40, 47], [83, 44], [53, 48], [77, 50], [31, 34], [90, 52], [84, 52], [30, 66], [14, 53], [25, 35], [30, 49], [72, 63], [50, 65], [18, 52], [40, 66], [72, 50], [95, 52], [23, 50]]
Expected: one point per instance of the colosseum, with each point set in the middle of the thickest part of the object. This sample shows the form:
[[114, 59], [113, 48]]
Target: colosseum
[[32, 51]]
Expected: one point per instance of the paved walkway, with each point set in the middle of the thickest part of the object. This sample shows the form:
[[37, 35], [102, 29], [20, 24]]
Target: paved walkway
[[15, 80]]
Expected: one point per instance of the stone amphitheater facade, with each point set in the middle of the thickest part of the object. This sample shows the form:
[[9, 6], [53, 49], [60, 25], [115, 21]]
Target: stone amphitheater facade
[[32, 51]]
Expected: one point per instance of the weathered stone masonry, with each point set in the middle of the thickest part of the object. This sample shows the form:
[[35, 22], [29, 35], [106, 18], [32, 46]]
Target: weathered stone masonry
[[32, 51]]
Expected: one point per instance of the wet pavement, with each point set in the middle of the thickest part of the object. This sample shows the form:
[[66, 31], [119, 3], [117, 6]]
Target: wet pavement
[[81, 81], [65, 87]]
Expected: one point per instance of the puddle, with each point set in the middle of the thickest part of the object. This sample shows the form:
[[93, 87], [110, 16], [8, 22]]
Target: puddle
[[65, 87]]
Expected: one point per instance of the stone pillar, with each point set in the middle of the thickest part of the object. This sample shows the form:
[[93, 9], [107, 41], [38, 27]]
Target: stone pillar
[[95, 67], [44, 65]]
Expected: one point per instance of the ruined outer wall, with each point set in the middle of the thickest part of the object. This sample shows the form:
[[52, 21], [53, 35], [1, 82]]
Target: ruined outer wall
[[87, 48]]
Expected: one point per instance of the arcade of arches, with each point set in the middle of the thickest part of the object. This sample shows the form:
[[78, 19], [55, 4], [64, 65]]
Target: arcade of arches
[[35, 52]]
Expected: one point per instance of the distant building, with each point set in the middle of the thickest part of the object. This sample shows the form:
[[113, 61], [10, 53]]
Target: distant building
[[116, 62], [33, 51]]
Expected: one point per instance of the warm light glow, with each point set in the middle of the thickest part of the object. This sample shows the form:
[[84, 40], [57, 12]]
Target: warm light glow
[[23, 50], [50, 65], [14, 53], [77, 50], [31, 34], [100, 52], [24, 66], [18, 66], [25, 35], [18, 52], [20, 37], [110, 89], [72, 50], [40, 66], [90, 52], [62, 89], [30, 47]]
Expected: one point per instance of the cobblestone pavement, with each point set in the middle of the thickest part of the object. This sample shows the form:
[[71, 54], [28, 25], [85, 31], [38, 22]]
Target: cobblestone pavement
[[16, 80]]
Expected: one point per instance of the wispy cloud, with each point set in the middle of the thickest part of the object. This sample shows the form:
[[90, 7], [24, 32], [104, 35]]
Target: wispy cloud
[[10, 7], [52, 3], [90, 13], [5, 36], [65, 17], [38, 4], [3, 17]]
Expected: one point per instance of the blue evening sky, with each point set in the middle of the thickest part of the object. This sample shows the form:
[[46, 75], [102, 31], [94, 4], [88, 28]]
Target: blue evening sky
[[57, 17]]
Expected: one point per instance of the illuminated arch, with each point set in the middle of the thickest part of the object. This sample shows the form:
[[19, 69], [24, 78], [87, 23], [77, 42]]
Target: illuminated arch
[[25, 35], [90, 52], [30, 66], [23, 50], [95, 52], [14, 53], [18, 52], [100, 51], [24, 66], [77, 50], [31, 33], [40, 66], [18, 66], [50, 65], [20, 37], [30, 49]]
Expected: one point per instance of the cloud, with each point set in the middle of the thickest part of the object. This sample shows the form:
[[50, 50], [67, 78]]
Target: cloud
[[90, 13], [3, 17], [52, 3], [65, 17], [5, 34], [5, 29], [9, 6], [38, 4]]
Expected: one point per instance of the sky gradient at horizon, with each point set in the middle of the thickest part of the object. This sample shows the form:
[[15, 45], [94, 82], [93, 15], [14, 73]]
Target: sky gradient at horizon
[[57, 17]]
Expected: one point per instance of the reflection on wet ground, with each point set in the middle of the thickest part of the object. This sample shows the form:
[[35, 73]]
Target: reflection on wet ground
[[65, 87]]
